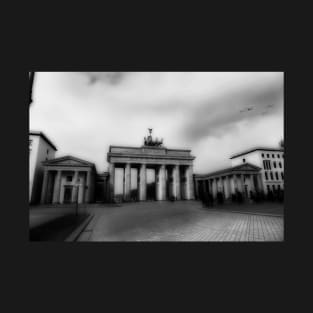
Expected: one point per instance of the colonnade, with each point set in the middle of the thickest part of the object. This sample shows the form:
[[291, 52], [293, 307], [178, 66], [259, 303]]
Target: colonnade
[[229, 185], [171, 181]]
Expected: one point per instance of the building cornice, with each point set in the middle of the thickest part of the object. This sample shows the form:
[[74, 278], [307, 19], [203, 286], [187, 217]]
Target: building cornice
[[43, 136], [256, 149]]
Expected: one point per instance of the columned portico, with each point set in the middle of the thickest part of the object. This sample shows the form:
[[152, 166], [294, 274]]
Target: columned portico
[[67, 180], [172, 168], [244, 179]]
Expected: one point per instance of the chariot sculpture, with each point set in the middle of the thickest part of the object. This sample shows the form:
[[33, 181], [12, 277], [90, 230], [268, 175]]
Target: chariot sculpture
[[148, 141]]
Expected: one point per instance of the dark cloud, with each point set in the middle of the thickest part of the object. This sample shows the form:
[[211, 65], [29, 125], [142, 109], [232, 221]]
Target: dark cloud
[[221, 115]]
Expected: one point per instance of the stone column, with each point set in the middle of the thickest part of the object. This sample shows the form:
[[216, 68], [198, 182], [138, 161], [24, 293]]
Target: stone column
[[186, 185], [57, 186], [89, 187], [242, 184], [127, 182], [190, 184], [232, 184], [75, 188], [226, 187], [161, 184], [235, 183], [111, 182], [176, 182], [143, 183], [219, 187], [44, 187], [228, 182], [251, 184], [214, 188], [82, 188]]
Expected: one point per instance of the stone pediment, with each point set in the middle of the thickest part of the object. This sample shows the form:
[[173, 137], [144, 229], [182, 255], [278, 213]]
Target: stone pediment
[[246, 167], [68, 161], [239, 169]]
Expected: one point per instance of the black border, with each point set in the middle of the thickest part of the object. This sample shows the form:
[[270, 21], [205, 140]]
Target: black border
[[57, 276]]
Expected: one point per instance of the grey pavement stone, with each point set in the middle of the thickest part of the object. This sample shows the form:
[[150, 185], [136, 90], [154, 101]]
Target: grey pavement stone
[[180, 221]]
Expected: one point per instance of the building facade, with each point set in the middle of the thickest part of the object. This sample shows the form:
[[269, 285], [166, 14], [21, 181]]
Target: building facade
[[68, 180], [271, 162], [40, 149], [226, 183], [173, 171]]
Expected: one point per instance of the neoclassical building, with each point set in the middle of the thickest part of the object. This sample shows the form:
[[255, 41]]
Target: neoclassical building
[[173, 170], [243, 178], [68, 180], [271, 162], [257, 170]]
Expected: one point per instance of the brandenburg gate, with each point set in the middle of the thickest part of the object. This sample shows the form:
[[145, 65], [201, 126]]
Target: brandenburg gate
[[173, 170]]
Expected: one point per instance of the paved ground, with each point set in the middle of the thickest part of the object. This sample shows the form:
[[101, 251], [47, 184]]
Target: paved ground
[[184, 221], [39, 215], [269, 208], [58, 229]]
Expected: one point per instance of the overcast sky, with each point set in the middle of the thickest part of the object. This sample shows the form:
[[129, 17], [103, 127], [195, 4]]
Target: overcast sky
[[215, 114]]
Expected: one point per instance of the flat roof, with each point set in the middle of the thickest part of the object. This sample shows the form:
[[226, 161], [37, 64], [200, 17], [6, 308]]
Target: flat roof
[[41, 134], [149, 147], [256, 149]]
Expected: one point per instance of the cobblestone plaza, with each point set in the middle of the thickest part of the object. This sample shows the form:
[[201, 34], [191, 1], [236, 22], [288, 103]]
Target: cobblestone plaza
[[182, 221]]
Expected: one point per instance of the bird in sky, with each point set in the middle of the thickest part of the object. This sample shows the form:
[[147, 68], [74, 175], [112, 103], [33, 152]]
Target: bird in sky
[[246, 109]]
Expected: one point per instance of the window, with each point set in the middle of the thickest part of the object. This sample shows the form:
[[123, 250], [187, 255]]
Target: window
[[47, 151], [278, 156], [267, 164], [266, 176], [276, 174], [268, 188], [282, 175], [274, 163], [69, 178], [271, 173], [273, 155], [280, 164], [273, 186], [262, 155], [244, 160], [268, 155]]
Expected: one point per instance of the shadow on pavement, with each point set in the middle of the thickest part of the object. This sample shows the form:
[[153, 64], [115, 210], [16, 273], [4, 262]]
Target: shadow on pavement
[[58, 229]]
